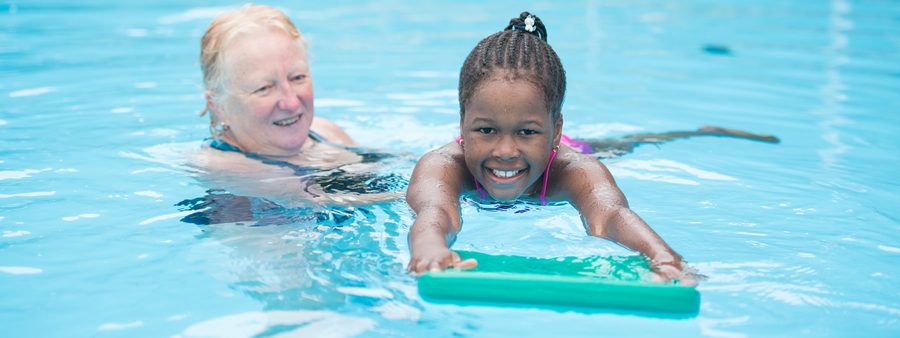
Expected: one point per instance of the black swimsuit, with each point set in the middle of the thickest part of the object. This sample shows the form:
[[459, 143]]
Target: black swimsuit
[[338, 180], [219, 206], [298, 170], [333, 181]]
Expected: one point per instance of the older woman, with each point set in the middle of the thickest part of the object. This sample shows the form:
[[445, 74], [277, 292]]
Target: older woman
[[266, 140], [259, 89]]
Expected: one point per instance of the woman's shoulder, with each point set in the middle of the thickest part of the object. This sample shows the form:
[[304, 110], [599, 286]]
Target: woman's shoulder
[[331, 131]]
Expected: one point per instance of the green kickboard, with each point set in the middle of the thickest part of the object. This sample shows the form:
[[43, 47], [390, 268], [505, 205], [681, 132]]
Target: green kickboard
[[620, 283]]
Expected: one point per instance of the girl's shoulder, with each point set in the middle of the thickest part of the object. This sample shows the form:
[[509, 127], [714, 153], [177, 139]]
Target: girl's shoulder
[[573, 168], [450, 153], [446, 163], [583, 179], [569, 159]]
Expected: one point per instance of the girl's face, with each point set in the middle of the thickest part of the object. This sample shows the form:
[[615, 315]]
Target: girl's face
[[507, 136], [269, 94]]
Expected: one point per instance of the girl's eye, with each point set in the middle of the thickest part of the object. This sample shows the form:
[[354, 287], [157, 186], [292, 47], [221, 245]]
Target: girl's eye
[[527, 132], [485, 130]]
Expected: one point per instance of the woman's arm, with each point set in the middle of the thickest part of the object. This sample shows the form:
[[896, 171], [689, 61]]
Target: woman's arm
[[433, 195], [243, 176], [604, 209]]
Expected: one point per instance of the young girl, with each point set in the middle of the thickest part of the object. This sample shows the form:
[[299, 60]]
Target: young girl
[[511, 90]]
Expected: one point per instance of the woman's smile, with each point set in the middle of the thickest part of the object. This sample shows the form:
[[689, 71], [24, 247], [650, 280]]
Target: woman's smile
[[288, 121]]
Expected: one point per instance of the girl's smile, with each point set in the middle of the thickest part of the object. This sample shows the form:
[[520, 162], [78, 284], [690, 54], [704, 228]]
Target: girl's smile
[[507, 135]]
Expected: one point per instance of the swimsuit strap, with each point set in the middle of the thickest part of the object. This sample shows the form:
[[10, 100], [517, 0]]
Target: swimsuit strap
[[547, 176], [317, 137], [543, 185], [480, 191], [223, 145]]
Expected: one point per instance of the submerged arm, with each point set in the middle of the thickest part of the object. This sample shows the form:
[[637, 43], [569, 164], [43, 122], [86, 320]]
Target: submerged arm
[[608, 148], [433, 195], [606, 214], [254, 177]]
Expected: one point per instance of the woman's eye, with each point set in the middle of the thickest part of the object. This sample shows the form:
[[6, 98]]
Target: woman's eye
[[486, 130], [262, 89]]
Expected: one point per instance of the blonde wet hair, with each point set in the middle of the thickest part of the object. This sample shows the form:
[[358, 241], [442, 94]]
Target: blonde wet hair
[[222, 33]]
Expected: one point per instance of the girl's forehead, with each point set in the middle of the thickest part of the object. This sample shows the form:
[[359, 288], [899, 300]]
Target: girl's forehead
[[507, 110], [507, 94]]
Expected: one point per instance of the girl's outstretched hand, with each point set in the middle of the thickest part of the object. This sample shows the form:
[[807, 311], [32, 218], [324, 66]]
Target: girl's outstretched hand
[[680, 271], [437, 259]]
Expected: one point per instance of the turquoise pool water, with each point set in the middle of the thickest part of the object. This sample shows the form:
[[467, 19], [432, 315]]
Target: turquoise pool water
[[98, 101]]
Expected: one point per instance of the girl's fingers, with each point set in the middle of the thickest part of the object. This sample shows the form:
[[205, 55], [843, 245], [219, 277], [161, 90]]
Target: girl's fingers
[[420, 266], [460, 264], [687, 280], [659, 278], [434, 267], [468, 264], [666, 273]]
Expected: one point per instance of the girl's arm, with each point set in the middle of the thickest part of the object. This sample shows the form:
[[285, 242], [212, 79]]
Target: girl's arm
[[433, 195], [604, 209]]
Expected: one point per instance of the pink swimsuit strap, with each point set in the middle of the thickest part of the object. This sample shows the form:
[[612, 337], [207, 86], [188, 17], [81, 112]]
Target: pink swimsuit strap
[[546, 176]]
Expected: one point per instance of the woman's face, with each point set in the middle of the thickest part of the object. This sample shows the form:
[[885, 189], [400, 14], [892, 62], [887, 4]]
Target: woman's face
[[268, 101], [507, 136]]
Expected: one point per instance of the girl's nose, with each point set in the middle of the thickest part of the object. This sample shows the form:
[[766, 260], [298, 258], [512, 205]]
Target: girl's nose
[[506, 148]]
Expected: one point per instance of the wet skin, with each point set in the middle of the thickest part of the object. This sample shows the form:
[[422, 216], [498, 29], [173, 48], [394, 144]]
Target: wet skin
[[508, 134], [269, 94]]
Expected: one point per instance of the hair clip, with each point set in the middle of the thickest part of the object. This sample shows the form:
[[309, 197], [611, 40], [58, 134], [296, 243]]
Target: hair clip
[[529, 24]]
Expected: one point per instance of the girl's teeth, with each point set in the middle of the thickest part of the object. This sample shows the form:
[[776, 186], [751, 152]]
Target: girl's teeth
[[505, 173], [287, 122]]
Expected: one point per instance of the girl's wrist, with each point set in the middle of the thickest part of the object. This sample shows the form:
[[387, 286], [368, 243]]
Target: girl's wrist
[[665, 259]]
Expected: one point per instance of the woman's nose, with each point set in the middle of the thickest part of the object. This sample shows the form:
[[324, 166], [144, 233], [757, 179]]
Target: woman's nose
[[288, 99]]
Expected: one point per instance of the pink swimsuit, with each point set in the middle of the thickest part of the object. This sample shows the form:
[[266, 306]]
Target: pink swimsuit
[[580, 146]]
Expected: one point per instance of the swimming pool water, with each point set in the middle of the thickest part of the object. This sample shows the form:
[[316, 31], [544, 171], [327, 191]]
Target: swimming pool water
[[98, 101]]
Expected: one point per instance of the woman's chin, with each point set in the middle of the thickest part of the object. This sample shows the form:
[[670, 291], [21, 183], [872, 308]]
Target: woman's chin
[[289, 146], [281, 150]]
